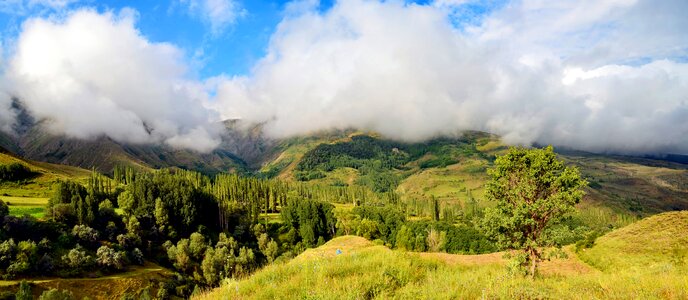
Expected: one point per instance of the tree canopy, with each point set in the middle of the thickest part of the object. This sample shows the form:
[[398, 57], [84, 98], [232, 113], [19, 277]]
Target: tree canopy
[[533, 190]]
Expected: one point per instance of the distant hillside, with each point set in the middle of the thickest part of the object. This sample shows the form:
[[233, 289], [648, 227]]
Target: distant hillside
[[46, 174], [453, 170], [104, 154]]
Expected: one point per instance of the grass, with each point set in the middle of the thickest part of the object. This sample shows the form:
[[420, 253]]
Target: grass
[[19, 206], [654, 245], [364, 270], [106, 287], [41, 185]]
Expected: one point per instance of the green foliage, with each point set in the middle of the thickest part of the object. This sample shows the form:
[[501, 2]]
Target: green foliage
[[4, 209], [532, 191], [387, 221], [588, 241], [77, 259], [85, 234], [24, 292], [15, 172], [55, 294], [110, 258], [311, 219], [197, 245]]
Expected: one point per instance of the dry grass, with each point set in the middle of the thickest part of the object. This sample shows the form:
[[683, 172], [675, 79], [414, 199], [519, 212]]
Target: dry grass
[[366, 271], [106, 287]]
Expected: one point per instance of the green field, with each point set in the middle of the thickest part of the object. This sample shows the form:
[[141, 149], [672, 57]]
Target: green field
[[20, 206], [364, 270]]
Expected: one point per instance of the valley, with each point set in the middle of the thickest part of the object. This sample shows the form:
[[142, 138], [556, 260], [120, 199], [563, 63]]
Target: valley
[[381, 190]]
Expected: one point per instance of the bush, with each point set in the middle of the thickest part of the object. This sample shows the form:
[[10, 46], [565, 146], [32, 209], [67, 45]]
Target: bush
[[77, 259], [137, 256], [55, 294], [85, 234], [4, 210], [24, 292], [109, 258]]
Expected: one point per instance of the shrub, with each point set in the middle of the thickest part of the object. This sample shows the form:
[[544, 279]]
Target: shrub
[[197, 245], [137, 256], [55, 294], [77, 259], [109, 258], [85, 234], [24, 292], [4, 210]]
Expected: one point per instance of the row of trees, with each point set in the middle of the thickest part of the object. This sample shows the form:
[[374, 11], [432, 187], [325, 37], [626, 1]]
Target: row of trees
[[15, 172]]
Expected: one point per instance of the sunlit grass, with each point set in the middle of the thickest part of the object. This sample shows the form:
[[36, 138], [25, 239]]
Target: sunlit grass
[[19, 206], [364, 271]]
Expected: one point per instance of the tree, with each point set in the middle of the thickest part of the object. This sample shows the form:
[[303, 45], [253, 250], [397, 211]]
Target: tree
[[197, 245], [533, 190], [77, 259], [125, 200], [4, 210], [271, 251], [110, 258], [24, 292]]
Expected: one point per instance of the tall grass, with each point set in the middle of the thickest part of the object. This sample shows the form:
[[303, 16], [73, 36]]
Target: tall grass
[[370, 271]]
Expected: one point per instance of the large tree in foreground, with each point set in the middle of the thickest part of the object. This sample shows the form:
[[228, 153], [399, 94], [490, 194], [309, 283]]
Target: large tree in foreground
[[533, 190]]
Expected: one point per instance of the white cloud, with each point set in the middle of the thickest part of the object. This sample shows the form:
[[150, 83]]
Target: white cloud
[[593, 75], [102, 77], [7, 114], [405, 71], [217, 14], [23, 7]]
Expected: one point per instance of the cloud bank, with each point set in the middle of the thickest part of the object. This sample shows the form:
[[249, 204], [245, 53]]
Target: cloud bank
[[603, 76], [94, 74]]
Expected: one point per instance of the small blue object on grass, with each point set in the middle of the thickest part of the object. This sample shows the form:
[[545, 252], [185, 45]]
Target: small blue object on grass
[[339, 251]]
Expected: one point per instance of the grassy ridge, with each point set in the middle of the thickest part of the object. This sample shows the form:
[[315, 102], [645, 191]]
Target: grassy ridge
[[364, 270], [656, 244], [30, 196]]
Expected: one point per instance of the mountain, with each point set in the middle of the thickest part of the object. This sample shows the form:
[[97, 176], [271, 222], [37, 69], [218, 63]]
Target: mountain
[[450, 169], [453, 170], [35, 142]]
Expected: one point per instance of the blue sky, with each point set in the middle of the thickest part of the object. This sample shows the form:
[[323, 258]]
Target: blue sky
[[233, 51]]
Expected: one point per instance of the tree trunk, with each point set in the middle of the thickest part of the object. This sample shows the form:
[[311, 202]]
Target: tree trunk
[[534, 257]]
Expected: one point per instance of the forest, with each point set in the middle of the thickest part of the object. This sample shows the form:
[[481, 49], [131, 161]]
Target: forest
[[205, 228]]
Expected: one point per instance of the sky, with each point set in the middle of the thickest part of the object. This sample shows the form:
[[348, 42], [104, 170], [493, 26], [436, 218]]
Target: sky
[[607, 76]]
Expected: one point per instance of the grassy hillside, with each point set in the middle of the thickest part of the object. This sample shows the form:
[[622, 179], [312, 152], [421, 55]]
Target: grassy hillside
[[364, 270], [453, 170], [656, 244], [30, 196], [45, 175]]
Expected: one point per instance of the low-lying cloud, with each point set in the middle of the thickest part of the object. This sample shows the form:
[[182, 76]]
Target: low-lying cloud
[[94, 74], [592, 75]]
